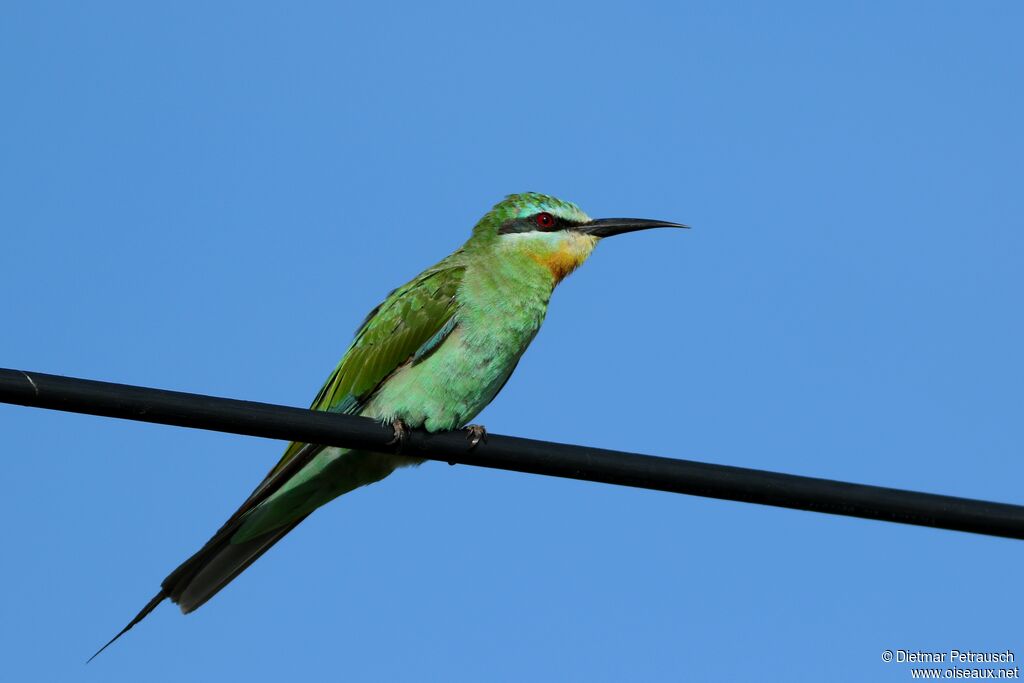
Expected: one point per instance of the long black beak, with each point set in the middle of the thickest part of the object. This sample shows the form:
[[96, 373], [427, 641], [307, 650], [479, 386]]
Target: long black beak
[[606, 227]]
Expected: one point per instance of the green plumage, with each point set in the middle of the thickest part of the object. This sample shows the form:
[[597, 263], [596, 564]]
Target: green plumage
[[432, 355], [412, 321]]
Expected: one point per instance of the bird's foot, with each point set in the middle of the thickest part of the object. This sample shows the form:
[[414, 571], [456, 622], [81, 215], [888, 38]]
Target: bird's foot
[[401, 434], [476, 434]]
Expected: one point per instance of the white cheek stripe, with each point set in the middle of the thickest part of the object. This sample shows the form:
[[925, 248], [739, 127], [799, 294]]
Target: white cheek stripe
[[552, 241], [549, 237]]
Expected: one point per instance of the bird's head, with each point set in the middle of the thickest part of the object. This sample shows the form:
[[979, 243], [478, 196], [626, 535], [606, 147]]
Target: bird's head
[[552, 232]]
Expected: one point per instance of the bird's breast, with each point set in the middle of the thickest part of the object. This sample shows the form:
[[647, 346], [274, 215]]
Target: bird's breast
[[446, 389]]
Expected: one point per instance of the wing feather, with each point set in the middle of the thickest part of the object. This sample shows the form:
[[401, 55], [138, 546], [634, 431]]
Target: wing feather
[[408, 324]]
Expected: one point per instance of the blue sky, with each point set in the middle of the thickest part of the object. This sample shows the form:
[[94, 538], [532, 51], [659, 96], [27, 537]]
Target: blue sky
[[210, 198]]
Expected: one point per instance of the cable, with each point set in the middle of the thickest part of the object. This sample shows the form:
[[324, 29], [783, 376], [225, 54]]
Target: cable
[[512, 453]]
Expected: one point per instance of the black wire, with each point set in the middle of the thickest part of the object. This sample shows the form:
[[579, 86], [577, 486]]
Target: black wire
[[513, 453]]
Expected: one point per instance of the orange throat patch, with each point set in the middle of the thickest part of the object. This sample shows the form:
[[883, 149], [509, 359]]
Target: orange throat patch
[[567, 258]]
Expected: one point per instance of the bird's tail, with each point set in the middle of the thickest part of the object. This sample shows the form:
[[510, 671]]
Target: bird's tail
[[143, 613], [203, 575], [286, 497]]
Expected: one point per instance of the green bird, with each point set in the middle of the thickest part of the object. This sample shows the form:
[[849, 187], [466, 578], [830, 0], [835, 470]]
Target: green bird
[[432, 355]]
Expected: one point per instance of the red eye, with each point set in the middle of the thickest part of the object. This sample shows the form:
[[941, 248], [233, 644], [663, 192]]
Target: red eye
[[545, 220]]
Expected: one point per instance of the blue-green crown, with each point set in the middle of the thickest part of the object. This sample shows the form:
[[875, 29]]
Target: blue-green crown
[[516, 206]]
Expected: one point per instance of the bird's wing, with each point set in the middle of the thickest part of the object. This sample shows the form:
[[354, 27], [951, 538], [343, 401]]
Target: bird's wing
[[407, 326], [412, 321]]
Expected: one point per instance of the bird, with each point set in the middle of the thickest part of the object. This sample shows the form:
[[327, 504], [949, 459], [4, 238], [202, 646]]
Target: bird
[[432, 355]]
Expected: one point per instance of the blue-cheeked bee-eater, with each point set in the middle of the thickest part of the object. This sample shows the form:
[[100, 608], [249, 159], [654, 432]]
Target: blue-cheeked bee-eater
[[432, 355]]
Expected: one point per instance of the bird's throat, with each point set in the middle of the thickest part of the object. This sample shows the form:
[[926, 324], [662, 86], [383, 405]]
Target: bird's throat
[[567, 256]]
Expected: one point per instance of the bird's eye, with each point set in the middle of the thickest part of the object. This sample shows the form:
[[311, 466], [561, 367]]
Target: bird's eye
[[545, 221]]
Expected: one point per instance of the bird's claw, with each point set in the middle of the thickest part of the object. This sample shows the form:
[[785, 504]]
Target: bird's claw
[[401, 434], [476, 434]]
